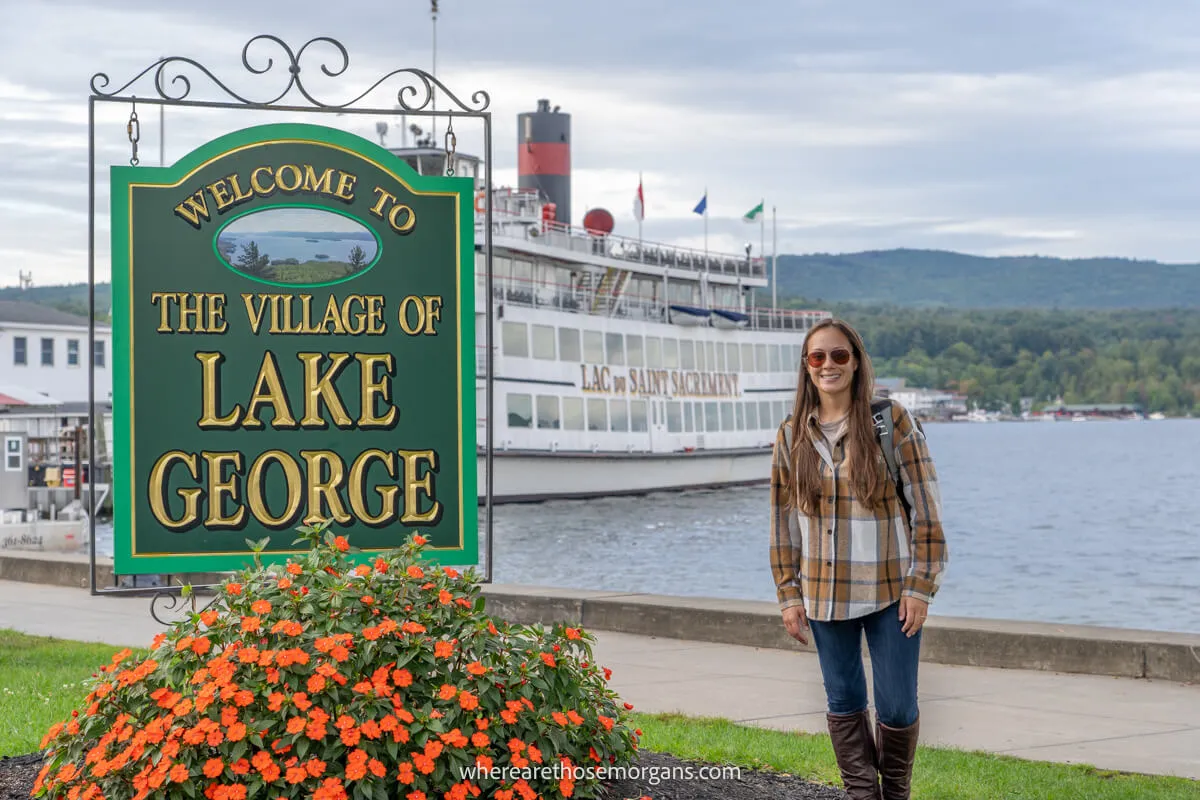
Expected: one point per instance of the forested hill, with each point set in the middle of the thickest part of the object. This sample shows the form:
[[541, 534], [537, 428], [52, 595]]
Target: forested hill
[[71, 297], [939, 278]]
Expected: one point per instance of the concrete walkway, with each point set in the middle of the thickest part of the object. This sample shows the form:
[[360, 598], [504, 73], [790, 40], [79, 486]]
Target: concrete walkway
[[1114, 723]]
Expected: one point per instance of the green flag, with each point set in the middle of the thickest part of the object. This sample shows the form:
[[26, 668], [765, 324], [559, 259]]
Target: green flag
[[753, 214]]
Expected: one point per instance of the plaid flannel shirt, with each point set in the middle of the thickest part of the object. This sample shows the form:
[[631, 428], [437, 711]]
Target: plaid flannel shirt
[[843, 560]]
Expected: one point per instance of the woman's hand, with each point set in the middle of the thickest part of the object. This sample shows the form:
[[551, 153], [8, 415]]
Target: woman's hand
[[795, 621], [912, 614]]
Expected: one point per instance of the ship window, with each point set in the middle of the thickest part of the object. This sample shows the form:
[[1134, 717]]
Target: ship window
[[614, 344], [731, 357], [748, 357], [572, 413], [633, 348], [674, 418], [739, 410], [671, 353], [520, 411], [547, 411], [593, 347], [653, 352], [712, 420], [752, 416], [688, 425], [776, 365], [637, 414], [701, 360], [522, 275], [760, 354], [543, 341], [764, 414], [516, 341], [720, 352], [568, 344], [597, 414], [727, 416], [618, 415], [687, 355]]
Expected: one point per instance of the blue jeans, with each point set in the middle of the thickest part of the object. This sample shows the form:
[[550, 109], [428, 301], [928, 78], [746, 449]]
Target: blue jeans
[[894, 659]]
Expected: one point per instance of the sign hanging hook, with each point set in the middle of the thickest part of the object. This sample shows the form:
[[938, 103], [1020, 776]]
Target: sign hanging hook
[[451, 146], [134, 129]]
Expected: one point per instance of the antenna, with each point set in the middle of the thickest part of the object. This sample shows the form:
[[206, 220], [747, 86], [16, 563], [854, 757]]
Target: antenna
[[26, 280], [433, 12]]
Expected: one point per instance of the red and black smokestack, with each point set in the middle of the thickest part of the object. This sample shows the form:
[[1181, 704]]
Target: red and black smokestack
[[544, 156]]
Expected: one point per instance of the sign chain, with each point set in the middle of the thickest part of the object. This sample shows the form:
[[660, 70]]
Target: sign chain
[[134, 129], [451, 146]]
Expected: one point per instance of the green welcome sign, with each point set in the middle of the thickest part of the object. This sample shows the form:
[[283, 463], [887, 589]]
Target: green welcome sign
[[293, 323]]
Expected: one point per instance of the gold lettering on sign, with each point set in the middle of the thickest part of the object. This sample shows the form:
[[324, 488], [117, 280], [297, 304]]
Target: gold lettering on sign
[[264, 181]]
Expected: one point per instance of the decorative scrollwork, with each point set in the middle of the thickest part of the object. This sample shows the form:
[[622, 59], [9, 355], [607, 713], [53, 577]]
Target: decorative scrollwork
[[172, 84], [174, 605]]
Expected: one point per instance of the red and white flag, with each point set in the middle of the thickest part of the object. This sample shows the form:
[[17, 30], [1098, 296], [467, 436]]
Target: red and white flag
[[639, 203]]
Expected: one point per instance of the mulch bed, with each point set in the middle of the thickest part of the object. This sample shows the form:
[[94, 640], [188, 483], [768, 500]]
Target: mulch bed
[[660, 776]]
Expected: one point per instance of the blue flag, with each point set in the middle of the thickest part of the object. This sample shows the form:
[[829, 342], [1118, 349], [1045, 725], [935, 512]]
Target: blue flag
[[702, 205]]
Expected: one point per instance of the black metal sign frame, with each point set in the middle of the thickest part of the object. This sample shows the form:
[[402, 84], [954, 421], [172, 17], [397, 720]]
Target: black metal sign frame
[[171, 86]]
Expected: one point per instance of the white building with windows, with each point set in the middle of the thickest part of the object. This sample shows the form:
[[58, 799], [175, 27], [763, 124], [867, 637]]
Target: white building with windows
[[46, 351]]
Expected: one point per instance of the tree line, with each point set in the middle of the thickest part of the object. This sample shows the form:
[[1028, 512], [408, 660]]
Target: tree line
[[998, 357]]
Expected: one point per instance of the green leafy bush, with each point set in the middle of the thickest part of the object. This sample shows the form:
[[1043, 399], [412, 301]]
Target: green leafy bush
[[342, 675]]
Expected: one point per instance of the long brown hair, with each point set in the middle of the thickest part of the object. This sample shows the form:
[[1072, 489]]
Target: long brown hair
[[866, 474]]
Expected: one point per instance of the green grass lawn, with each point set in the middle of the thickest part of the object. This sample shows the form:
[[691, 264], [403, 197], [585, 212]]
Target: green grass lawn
[[42, 679], [939, 774]]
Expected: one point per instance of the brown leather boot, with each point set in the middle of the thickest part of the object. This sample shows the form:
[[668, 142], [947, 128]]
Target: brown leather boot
[[854, 748], [897, 749]]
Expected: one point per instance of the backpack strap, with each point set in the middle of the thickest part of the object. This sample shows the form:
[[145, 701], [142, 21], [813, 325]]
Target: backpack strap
[[881, 414]]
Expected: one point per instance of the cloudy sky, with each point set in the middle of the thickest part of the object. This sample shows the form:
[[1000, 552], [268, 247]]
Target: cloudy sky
[[1006, 127]]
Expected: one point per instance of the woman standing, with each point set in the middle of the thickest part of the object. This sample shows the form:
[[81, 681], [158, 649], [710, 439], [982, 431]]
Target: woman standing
[[848, 559]]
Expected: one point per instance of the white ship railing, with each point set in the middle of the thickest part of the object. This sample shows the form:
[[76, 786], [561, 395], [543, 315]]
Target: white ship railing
[[622, 248], [582, 299]]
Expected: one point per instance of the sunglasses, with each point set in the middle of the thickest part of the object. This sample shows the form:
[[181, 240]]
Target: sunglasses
[[839, 356]]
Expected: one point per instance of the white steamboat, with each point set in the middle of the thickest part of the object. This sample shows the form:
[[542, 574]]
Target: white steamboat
[[620, 366]]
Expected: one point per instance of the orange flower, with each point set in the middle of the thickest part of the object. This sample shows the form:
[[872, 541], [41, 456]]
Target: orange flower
[[251, 624], [450, 572], [415, 572], [475, 668], [294, 569], [213, 767], [233, 588], [381, 565], [447, 692], [284, 583], [573, 715], [350, 737], [340, 543], [406, 774], [208, 617], [468, 701], [418, 539], [402, 678], [480, 739], [366, 600], [314, 767], [548, 659], [443, 649], [315, 684], [362, 570], [339, 654], [445, 598], [573, 633], [260, 607], [296, 775], [560, 718], [418, 795], [295, 724]]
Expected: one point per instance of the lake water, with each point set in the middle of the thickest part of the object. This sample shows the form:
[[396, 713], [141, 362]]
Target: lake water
[[1090, 523], [299, 248]]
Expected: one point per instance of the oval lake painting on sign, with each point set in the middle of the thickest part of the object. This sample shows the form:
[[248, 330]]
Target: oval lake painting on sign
[[301, 246]]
